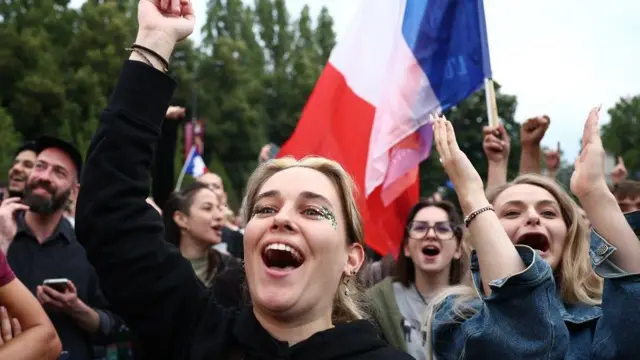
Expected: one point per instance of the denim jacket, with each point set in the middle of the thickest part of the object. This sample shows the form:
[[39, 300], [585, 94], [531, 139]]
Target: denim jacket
[[524, 317]]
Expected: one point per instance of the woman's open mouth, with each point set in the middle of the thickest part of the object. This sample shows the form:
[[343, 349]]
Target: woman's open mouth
[[537, 241], [218, 229], [430, 251], [280, 257]]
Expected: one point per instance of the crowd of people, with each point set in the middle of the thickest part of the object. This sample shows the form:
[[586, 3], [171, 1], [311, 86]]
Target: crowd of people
[[515, 270]]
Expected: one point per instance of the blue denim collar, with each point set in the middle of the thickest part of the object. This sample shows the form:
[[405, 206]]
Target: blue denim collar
[[577, 313]]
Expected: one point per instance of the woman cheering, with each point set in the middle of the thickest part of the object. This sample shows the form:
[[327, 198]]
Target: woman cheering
[[302, 242], [536, 295]]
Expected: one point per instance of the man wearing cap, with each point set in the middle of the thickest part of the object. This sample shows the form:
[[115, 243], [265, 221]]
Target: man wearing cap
[[40, 244], [19, 171]]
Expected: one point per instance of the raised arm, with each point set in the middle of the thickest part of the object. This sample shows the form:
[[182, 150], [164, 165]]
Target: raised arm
[[515, 286], [531, 133], [38, 339], [615, 251], [589, 185], [497, 147], [497, 255], [146, 280]]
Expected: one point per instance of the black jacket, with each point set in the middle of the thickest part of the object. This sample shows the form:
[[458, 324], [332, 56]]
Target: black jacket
[[150, 284]]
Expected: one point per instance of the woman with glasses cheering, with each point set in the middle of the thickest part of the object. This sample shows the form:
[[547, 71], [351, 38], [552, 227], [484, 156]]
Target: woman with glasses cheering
[[431, 257]]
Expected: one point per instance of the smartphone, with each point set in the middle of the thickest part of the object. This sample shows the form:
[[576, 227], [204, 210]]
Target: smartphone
[[59, 285]]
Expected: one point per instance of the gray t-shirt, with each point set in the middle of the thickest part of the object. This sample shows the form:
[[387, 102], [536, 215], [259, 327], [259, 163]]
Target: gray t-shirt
[[412, 307]]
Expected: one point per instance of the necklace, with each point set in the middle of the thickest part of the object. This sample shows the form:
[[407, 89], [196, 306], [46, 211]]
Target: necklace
[[419, 294]]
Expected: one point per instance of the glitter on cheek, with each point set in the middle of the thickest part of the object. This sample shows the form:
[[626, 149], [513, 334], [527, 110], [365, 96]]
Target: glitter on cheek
[[327, 214]]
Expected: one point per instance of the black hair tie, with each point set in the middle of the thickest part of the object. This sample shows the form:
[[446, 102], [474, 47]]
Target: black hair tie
[[163, 61]]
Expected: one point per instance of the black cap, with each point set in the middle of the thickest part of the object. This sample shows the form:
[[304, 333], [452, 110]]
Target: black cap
[[46, 142], [27, 146]]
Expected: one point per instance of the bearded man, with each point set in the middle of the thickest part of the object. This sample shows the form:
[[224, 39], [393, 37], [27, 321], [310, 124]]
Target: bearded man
[[40, 244]]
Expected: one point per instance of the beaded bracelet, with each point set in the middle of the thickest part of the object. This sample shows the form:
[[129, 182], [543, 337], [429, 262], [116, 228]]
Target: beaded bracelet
[[470, 217]]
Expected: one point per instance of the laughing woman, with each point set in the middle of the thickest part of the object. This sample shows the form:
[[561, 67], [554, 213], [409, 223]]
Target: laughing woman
[[302, 242], [536, 295], [193, 223], [432, 257]]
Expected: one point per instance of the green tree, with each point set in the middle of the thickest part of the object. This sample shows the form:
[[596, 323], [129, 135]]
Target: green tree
[[9, 142], [325, 36], [277, 35], [252, 74], [468, 118], [230, 94], [305, 68], [621, 135]]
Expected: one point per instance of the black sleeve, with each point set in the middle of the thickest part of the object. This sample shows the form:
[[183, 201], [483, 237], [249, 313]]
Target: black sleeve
[[144, 278], [163, 165], [110, 323]]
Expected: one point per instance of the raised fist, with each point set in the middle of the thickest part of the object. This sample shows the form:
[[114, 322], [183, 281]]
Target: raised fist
[[533, 130]]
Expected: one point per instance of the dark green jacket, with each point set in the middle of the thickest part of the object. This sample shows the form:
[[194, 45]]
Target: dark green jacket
[[387, 314]]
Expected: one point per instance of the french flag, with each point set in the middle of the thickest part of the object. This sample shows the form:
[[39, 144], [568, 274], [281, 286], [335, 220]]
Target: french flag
[[399, 61], [194, 165]]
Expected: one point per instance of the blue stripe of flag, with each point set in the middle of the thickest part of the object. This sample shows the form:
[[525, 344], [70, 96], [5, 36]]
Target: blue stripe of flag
[[449, 40]]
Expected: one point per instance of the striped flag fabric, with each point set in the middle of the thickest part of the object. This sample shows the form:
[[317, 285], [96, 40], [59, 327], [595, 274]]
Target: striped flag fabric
[[398, 62], [194, 165]]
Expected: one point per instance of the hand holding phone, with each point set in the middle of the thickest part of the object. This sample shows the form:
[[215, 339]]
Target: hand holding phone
[[59, 285]]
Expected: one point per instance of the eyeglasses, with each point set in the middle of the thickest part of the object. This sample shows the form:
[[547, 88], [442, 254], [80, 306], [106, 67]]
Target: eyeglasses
[[444, 230]]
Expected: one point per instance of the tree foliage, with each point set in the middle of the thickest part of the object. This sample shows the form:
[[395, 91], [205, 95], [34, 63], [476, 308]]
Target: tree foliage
[[251, 75], [625, 119]]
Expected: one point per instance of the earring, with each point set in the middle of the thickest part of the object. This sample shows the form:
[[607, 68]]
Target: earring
[[345, 282]]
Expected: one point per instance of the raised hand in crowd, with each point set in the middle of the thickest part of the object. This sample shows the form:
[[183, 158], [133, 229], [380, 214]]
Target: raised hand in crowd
[[531, 133], [435, 197], [161, 24], [588, 183], [619, 173], [533, 130], [496, 144], [8, 226], [552, 161], [497, 147], [497, 255], [175, 113], [264, 153]]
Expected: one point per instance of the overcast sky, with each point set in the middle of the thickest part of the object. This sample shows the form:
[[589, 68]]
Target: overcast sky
[[558, 57]]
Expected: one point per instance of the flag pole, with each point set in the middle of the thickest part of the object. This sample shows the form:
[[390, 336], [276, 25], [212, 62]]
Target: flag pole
[[184, 167], [492, 107]]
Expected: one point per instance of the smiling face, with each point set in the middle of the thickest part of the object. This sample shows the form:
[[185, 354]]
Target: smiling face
[[295, 244], [20, 170], [204, 220], [51, 183], [432, 244], [531, 216]]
